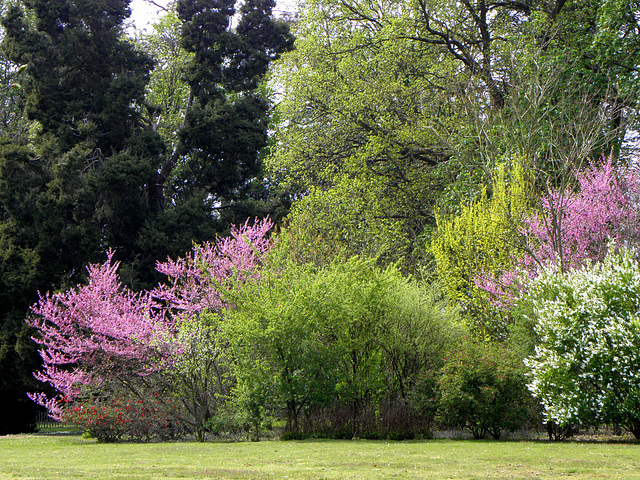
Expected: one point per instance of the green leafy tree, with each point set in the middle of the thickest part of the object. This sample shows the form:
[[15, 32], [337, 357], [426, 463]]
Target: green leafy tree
[[210, 103], [167, 92], [226, 118], [357, 114], [279, 346], [94, 162], [584, 368], [200, 378], [350, 219], [307, 339], [13, 122], [430, 96], [84, 77]]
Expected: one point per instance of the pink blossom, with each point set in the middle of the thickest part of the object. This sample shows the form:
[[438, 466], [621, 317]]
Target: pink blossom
[[197, 282], [571, 228], [102, 332]]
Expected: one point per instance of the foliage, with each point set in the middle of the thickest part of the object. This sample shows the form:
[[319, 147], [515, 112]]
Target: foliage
[[19, 278], [195, 297], [226, 122], [18, 359], [13, 122], [482, 239], [84, 78], [167, 94], [482, 388], [584, 369], [306, 339], [358, 115], [347, 219], [68, 191], [390, 114]]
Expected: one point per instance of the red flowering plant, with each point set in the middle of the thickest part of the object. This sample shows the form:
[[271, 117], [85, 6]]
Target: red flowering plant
[[154, 417], [98, 419]]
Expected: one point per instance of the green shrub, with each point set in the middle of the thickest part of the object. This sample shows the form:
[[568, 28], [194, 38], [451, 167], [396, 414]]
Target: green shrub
[[483, 389]]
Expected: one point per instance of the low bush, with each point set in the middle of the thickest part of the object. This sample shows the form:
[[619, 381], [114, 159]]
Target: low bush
[[120, 417], [483, 389]]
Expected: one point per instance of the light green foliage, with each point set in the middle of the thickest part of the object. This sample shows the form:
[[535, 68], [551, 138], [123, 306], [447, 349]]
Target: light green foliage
[[419, 327], [350, 218], [305, 337], [167, 92], [278, 346], [482, 238], [483, 389], [359, 104], [347, 93], [200, 377], [585, 370]]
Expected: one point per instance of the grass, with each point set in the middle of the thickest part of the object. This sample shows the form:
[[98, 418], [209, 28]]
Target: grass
[[69, 457]]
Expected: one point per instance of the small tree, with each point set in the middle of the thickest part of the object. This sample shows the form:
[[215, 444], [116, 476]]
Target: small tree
[[585, 369], [195, 296], [98, 334], [571, 228], [483, 389], [100, 339]]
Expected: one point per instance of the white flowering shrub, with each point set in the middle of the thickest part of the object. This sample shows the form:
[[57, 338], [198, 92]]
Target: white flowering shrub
[[586, 369]]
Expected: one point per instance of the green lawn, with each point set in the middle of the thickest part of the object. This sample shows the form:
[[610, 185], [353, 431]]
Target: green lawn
[[68, 457]]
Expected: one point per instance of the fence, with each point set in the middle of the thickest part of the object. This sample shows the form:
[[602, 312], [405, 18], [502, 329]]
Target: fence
[[43, 420]]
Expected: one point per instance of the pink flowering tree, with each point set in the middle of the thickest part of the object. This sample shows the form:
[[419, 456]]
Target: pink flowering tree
[[101, 337], [573, 227], [97, 333], [197, 282]]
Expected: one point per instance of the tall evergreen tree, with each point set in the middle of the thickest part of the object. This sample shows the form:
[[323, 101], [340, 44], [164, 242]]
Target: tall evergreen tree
[[98, 176], [227, 113]]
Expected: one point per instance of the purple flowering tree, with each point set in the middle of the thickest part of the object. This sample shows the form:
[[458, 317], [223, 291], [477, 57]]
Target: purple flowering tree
[[197, 282], [102, 334], [98, 333], [573, 227]]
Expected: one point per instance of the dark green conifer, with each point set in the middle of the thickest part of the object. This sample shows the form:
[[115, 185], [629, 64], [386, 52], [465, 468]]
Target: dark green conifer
[[98, 177]]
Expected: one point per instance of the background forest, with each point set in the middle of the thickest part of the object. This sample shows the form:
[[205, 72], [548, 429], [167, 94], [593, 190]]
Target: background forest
[[417, 214]]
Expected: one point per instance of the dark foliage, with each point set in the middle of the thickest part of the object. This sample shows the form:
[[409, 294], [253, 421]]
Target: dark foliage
[[96, 177]]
